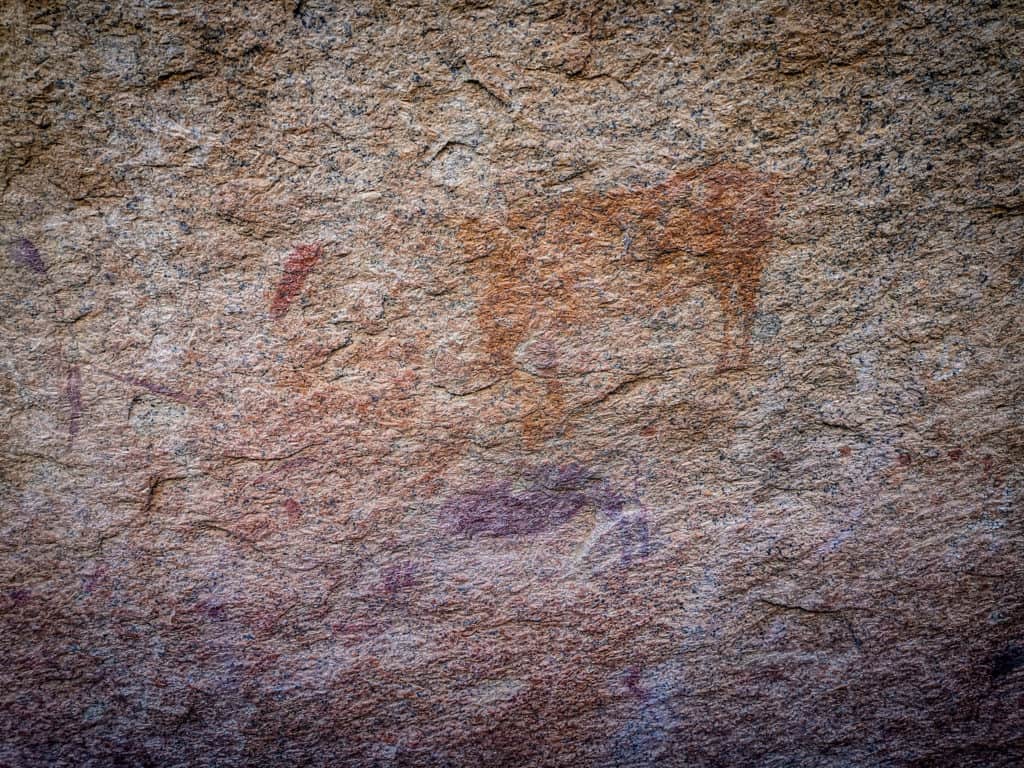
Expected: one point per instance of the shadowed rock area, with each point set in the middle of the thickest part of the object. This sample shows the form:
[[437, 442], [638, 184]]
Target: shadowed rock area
[[511, 384]]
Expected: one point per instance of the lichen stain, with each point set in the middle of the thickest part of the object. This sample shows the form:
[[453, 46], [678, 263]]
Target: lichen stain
[[551, 267], [296, 270]]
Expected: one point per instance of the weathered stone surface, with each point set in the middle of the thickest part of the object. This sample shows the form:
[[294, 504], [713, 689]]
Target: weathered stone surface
[[509, 383]]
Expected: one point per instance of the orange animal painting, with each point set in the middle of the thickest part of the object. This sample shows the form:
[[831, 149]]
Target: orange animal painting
[[544, 267]]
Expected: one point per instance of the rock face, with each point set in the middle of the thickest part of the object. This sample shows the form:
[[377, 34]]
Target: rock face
[[511, 383]]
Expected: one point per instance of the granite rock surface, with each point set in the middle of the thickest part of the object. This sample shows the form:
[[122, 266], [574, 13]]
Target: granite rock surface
[[511, 384]]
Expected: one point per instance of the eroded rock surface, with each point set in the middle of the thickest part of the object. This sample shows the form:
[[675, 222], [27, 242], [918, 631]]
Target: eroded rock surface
[[557, 384]]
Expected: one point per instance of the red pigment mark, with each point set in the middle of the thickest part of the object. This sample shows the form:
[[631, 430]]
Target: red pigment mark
[[25, 253], [73, 392], [267, 624], [92, 580], [283, 468], [296, 270], [156, 389], [14, 598], [293, 509], [355, 632], [632, 680], [845, 450], [211, 608], [956, 454], [399, 577]]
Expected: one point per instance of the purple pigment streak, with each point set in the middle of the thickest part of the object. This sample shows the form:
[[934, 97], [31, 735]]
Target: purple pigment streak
[[556, 494], [25, 253], [156, 389], [634, 538], [399, 577], [73, 390]]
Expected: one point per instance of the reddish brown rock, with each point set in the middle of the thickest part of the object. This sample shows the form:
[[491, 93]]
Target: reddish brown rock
[[500, 384]]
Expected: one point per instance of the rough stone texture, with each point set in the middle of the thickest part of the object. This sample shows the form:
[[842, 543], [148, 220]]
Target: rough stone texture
[[511, 383]]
